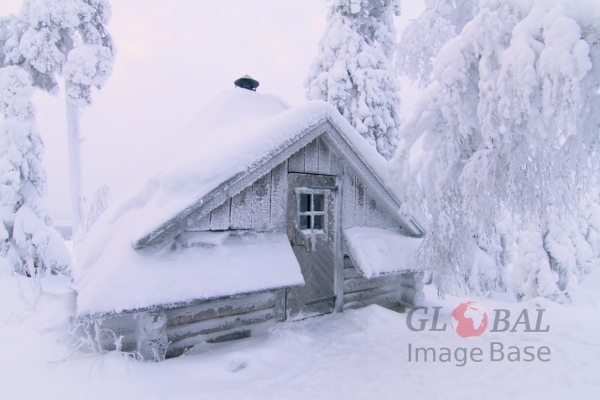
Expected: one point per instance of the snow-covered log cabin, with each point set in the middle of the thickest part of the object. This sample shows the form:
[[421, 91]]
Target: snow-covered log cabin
[[265, 213]]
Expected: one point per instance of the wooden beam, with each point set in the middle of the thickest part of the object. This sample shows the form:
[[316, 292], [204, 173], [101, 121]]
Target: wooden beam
[[220, 308], [180, 332], [357, 284], [351, 272], [371, 294]]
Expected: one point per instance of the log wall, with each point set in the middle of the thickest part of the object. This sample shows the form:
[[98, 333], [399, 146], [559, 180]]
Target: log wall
[[209, 322], [386, 291]]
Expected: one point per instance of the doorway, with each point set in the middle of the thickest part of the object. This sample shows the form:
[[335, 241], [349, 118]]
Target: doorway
[[311, 228]]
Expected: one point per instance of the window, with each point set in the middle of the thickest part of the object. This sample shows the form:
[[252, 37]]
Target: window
[[311, 211]]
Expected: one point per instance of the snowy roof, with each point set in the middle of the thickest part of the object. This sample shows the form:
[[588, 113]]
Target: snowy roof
[[236, 134], [212, 265], [376, 251]]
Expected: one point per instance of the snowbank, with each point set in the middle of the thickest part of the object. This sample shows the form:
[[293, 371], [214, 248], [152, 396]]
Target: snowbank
[[377, 251], [365, 352]]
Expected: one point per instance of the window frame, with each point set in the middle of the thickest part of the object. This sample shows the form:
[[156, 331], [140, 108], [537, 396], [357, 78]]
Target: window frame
[[299, 191]]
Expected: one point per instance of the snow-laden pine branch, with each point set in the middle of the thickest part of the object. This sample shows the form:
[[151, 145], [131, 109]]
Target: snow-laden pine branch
[[423, 37]]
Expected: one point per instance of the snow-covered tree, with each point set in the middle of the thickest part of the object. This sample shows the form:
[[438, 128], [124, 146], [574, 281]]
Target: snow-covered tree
[[27, 239], [511, 123], [423, 37], [353, 70], [66, 38]]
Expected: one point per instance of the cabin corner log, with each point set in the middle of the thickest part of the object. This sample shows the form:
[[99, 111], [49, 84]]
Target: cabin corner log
[[280, 305], [412, 289], [152, 340], [412, 298]]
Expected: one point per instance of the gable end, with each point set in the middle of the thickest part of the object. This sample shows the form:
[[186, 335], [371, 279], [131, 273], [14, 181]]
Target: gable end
[[218, 202]]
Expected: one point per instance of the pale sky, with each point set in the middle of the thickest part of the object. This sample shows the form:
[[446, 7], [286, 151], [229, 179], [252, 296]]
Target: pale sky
[[173, 57]]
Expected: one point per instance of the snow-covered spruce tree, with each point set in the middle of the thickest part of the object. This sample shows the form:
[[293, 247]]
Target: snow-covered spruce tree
[[66, 38], [511, 123], [423, 37], [27, 239], [353, 70]]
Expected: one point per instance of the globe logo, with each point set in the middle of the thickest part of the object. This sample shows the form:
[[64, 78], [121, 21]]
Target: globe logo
[[469, 319]]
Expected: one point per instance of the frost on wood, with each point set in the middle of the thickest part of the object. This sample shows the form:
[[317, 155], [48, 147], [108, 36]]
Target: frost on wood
[[353, 70], [27, 240], [153, 341], [423, 37], [510, 123]]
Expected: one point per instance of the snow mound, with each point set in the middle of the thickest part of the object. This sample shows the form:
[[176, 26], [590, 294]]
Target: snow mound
[[377, 251]]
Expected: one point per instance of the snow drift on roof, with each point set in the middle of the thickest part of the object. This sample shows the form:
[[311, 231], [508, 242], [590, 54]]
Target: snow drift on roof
[[211, 267], [237, 131], [377, 251]]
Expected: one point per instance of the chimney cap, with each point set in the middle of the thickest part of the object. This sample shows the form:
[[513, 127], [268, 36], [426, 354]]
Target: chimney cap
[[246, 82]]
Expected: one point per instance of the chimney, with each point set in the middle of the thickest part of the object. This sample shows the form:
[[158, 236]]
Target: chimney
[[247, 82]]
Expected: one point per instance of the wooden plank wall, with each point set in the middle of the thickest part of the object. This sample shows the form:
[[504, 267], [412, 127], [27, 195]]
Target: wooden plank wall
[[260, 206], [359, 207], [263, 205], [316, 158]]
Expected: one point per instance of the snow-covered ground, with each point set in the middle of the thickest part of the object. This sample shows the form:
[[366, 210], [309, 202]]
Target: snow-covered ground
[[360, 354]]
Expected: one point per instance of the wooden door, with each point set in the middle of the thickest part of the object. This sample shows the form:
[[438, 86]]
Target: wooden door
[[312, 230]]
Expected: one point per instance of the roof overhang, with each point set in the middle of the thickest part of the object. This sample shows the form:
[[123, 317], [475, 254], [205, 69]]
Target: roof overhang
[[332, 134], [230, 266]]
